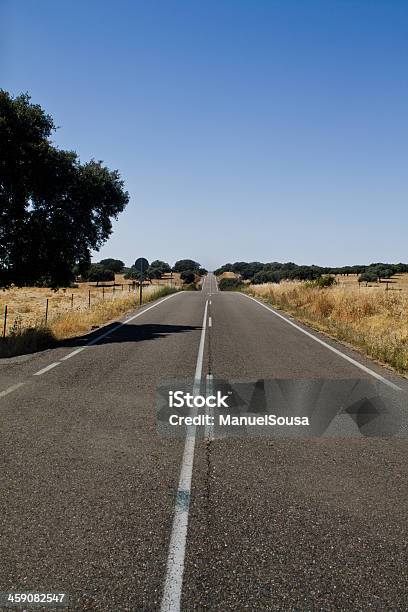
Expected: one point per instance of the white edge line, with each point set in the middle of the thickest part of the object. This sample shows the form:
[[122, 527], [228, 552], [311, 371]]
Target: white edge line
[[48, 367], [139, 314], [113, 329], [82, 348], [171, 600], [11, 389], [331, 348]]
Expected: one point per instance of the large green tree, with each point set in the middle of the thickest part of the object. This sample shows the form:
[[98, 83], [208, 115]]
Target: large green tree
[[53, 209], [116, 265], [162, 266], [182, 265], [98, 273]]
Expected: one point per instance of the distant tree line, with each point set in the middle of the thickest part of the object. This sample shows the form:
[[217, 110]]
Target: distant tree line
[[274, 272], [106, 269], [54, 210]]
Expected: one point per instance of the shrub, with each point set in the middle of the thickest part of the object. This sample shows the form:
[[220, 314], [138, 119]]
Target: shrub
[[265, 276], [368, 277], [229, 284], [322, 282]]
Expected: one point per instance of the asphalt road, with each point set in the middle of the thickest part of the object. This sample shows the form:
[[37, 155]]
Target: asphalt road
[[97, 504]]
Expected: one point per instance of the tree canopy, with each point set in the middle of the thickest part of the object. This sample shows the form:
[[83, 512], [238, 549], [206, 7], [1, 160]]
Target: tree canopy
[[54, 210], [187, 276], [258, 272], [162, 266], [186, 264], [116, 265], [97, 273]]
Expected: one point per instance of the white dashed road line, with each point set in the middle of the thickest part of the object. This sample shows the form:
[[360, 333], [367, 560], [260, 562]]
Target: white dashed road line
[[11, 389], [73, 353], [91, 343], [48, 367]]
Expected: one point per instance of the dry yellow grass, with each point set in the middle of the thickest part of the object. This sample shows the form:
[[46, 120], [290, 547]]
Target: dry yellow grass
[[68, 324], [26, 306], [374, 321], [227, 275], [31, 333], [396, 283]]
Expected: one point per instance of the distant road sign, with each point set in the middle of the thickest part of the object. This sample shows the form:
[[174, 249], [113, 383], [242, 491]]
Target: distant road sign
[[141, 264]]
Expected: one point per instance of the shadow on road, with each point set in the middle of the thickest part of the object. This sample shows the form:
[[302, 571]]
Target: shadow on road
[[38, 340], [127, 333]]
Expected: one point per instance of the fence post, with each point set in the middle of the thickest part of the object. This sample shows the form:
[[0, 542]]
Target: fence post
[[113, 290], [5, 322], [46, 312], [103, 293], [72, 300], [122, 286], [89, 298]]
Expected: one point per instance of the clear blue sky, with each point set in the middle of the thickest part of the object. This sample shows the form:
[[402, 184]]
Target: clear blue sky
[[245, 130]]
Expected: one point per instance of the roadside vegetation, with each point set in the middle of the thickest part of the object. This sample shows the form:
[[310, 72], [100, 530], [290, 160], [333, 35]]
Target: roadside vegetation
[[34, 318], [70, 323], [375, 322], [230, 284], [56, 210], [273, 272]]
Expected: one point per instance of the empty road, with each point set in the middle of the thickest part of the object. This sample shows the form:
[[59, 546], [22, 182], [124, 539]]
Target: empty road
[[97, 504]]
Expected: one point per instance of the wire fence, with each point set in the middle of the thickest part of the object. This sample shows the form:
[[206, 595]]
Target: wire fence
[[38, 310]]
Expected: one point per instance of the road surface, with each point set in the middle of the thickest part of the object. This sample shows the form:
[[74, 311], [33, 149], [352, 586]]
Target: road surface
[[97, 504]]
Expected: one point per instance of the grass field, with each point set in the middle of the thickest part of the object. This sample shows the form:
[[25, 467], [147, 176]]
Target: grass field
[[371, 319], [227, 275], [396, 283], [26, 306], [71, 311]]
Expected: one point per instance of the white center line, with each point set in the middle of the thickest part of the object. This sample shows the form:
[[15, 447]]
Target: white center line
[[209, 321], [171, 600], [49, 367], [11, 389], [209, 428]]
